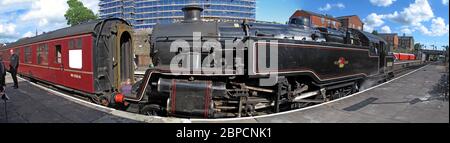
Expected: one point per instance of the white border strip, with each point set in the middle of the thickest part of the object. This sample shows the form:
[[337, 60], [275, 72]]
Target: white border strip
[[147, 119]]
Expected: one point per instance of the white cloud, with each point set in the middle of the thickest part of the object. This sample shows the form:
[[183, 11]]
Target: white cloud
[[7, 30], [28, 34], [407, 30], [416, 13], [372, 21], [14, 5], [386, 29], [437, 28], [329, 6], [8, 2], [46, 11], [43, 15], [445, 2], [412, 18], [383, 3], [92, 4]]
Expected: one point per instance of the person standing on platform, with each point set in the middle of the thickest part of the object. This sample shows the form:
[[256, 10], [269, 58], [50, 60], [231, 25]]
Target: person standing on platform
[[2, 76], [13, 67]]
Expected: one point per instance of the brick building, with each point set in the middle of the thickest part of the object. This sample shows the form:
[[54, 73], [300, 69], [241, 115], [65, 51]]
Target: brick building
[[352, 21], [142, 47], [392, 39], [406, 42], [317, 20]]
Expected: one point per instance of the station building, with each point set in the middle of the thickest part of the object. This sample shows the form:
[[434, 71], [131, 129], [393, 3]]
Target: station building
[[406, 42], [352, 21], [392, 39], [328, 21], [317, 20]]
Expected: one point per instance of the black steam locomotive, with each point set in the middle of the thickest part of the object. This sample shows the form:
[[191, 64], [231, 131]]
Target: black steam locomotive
[[225, 69]]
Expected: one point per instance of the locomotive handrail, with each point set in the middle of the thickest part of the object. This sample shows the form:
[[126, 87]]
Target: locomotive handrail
[[166, 38]]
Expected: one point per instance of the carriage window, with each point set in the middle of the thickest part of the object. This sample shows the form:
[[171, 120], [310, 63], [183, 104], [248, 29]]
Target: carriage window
[[76, 44], [1, 55], [71, 44], [42, 54], [58, 54], [27, 53], [79, 44]]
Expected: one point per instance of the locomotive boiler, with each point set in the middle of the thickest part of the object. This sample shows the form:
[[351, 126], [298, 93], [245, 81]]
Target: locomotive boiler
[[235, 69]]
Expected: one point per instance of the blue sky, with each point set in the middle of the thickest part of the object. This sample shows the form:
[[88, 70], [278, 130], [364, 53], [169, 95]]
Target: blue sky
[[426, 20], [413, 17]]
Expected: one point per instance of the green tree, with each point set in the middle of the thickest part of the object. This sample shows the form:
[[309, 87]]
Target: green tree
[[78, 13], [375, 32], [418, 46]]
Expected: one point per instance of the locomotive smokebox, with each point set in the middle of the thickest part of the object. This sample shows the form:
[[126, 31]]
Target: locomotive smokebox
[[192, 13]]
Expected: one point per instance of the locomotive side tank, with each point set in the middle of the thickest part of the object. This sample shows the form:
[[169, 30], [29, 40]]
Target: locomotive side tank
[[219, 69]]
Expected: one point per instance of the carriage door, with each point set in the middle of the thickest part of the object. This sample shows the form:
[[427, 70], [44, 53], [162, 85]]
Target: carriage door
[[59, 66], [123, 69]]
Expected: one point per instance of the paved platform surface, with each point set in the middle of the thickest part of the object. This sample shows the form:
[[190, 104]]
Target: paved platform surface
[[411, 99], [30, 104]]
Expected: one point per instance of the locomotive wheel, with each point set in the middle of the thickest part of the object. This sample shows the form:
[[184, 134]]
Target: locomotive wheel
[[355, 88], [151, 110]]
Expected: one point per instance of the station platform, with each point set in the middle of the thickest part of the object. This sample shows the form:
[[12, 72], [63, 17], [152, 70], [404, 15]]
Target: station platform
[[31, 104], [412, 98]]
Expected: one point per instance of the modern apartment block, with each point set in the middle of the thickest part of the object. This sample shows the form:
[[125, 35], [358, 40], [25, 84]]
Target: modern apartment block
[[146, 13]]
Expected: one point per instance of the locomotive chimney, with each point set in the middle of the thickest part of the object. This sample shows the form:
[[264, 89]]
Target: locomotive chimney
[[192, 13]]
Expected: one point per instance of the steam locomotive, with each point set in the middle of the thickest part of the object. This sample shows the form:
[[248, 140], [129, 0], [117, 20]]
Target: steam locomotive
[[225, 69]]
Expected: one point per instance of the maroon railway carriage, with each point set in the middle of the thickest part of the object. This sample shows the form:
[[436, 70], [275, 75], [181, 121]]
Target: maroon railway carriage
[[93, 58]]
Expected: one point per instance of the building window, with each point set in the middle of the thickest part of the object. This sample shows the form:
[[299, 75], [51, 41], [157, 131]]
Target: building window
[[27, 54], [42, 54], [334, 24], [322, 20]]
